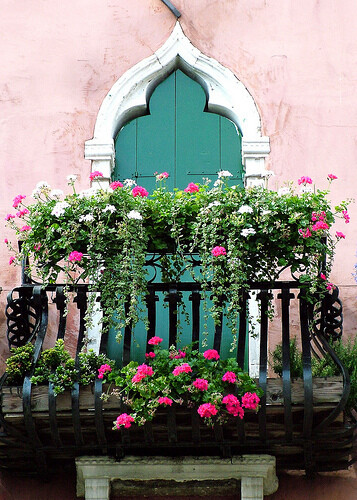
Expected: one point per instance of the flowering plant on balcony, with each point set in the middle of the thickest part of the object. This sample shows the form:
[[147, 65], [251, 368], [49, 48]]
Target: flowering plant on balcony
[[241, 235], [183, 377]]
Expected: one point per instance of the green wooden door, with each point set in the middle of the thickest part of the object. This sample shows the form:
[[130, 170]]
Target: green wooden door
[[178, 137]]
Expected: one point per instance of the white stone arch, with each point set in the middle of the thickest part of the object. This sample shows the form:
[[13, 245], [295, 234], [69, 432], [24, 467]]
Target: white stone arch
[[226, 95]]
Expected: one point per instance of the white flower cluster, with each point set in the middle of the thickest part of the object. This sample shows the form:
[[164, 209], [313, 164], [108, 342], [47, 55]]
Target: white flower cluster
[[134, 214], [245, 209], [246, 232], [86, 218], [59, 208], [109, 208], [224, 173], [129, 183]]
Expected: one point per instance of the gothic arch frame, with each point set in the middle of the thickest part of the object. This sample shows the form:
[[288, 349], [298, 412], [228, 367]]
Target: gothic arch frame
[[226, 95]]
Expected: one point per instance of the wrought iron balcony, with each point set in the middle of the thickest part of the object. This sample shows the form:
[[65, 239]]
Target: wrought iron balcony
[[300, 422]]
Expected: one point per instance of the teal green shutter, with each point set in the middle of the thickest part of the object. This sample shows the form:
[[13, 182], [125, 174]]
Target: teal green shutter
[[178, 137]]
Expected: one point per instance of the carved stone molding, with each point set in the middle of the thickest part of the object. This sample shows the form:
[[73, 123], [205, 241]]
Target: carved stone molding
[[256, 472]]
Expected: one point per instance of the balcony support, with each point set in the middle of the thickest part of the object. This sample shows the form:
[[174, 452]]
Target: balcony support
[[256, 473]]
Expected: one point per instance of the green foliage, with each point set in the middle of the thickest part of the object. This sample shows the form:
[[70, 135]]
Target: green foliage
[[143, 397], [262, 232], [54, 365], [324, 367], [19, 364]]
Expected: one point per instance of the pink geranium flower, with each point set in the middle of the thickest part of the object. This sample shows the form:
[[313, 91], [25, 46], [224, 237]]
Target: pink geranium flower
[[103, 370], [211, 354], [331, 177], [229, 377], [116, 184], [250, 400], [201, 384], [320, 225], [217, 251], [165, 401], [322, 276], [75, 256], [330, 286], [155, 340], [17, 200], [192, 188], [10, 216], [23, 212], [340, 235], [181, 354], [306, 233], [346, 216], [124, 420], [163, 175], [139, 191], [37, 246], [26, 227], [207, 410], [184, 368], [94, 175], [150, 355], [233, 405], [11, 260], [304, 180]]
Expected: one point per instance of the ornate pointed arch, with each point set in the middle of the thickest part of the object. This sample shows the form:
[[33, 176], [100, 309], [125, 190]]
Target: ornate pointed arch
[[226, 95]]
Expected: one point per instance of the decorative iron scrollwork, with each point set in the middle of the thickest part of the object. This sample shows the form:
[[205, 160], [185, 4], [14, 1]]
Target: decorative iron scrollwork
[[328, 316], [22, 318]]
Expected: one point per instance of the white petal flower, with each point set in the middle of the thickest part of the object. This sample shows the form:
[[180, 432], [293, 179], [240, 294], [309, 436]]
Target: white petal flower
[[245, 209], [224, 173], [218, 182], [71, 178], [129, 183], [86, 193], [36, 193], [42, 185], [134, 214], [86, 218], [247, 231], [59, 208], [283, 191], [215, 203], [56, 193], [266, 212], [109, 208]]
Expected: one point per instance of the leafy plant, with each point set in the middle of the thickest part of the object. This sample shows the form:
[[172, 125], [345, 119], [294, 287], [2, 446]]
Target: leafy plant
[[241, 235], [19, 364], [216, 388]]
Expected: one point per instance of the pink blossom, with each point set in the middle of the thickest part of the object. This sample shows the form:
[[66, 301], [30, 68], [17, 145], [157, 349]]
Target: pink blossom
[[320, 224], [207, 410], [6, 241], [139, 191], [155, 341], [10, 216], [26, 227], [184, 368], [75, 256], [94, 175], [17, 200], [138, 377], [150, 355], [103, 369], [346, 216], [125, 420], [192, 188], [211, 354], [233, 405], [165, 401], [340, 235], [145, 370], [23, 212], [163, 175], [306, 233], [11, 260], [332, 177], [37, 246], [250, 400], [229, 377], [304, 180], [330, 286], [322, 276], [116, 184], [201, 384], [180, 355], [217, 251]]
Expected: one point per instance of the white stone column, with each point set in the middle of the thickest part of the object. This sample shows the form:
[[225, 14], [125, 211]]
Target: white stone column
[[97, 488]]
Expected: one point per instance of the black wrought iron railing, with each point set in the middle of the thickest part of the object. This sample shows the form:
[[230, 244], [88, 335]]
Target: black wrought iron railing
[[300, 434]]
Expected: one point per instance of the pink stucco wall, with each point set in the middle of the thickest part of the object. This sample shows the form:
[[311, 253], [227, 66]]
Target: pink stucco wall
[[297, 59]]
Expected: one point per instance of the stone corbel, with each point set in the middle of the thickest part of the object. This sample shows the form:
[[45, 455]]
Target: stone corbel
[[103, 158], [256, 473], [254, 153]]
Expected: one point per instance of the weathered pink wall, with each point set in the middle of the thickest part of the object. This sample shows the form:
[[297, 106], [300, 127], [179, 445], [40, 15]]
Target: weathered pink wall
[[297, 59]]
